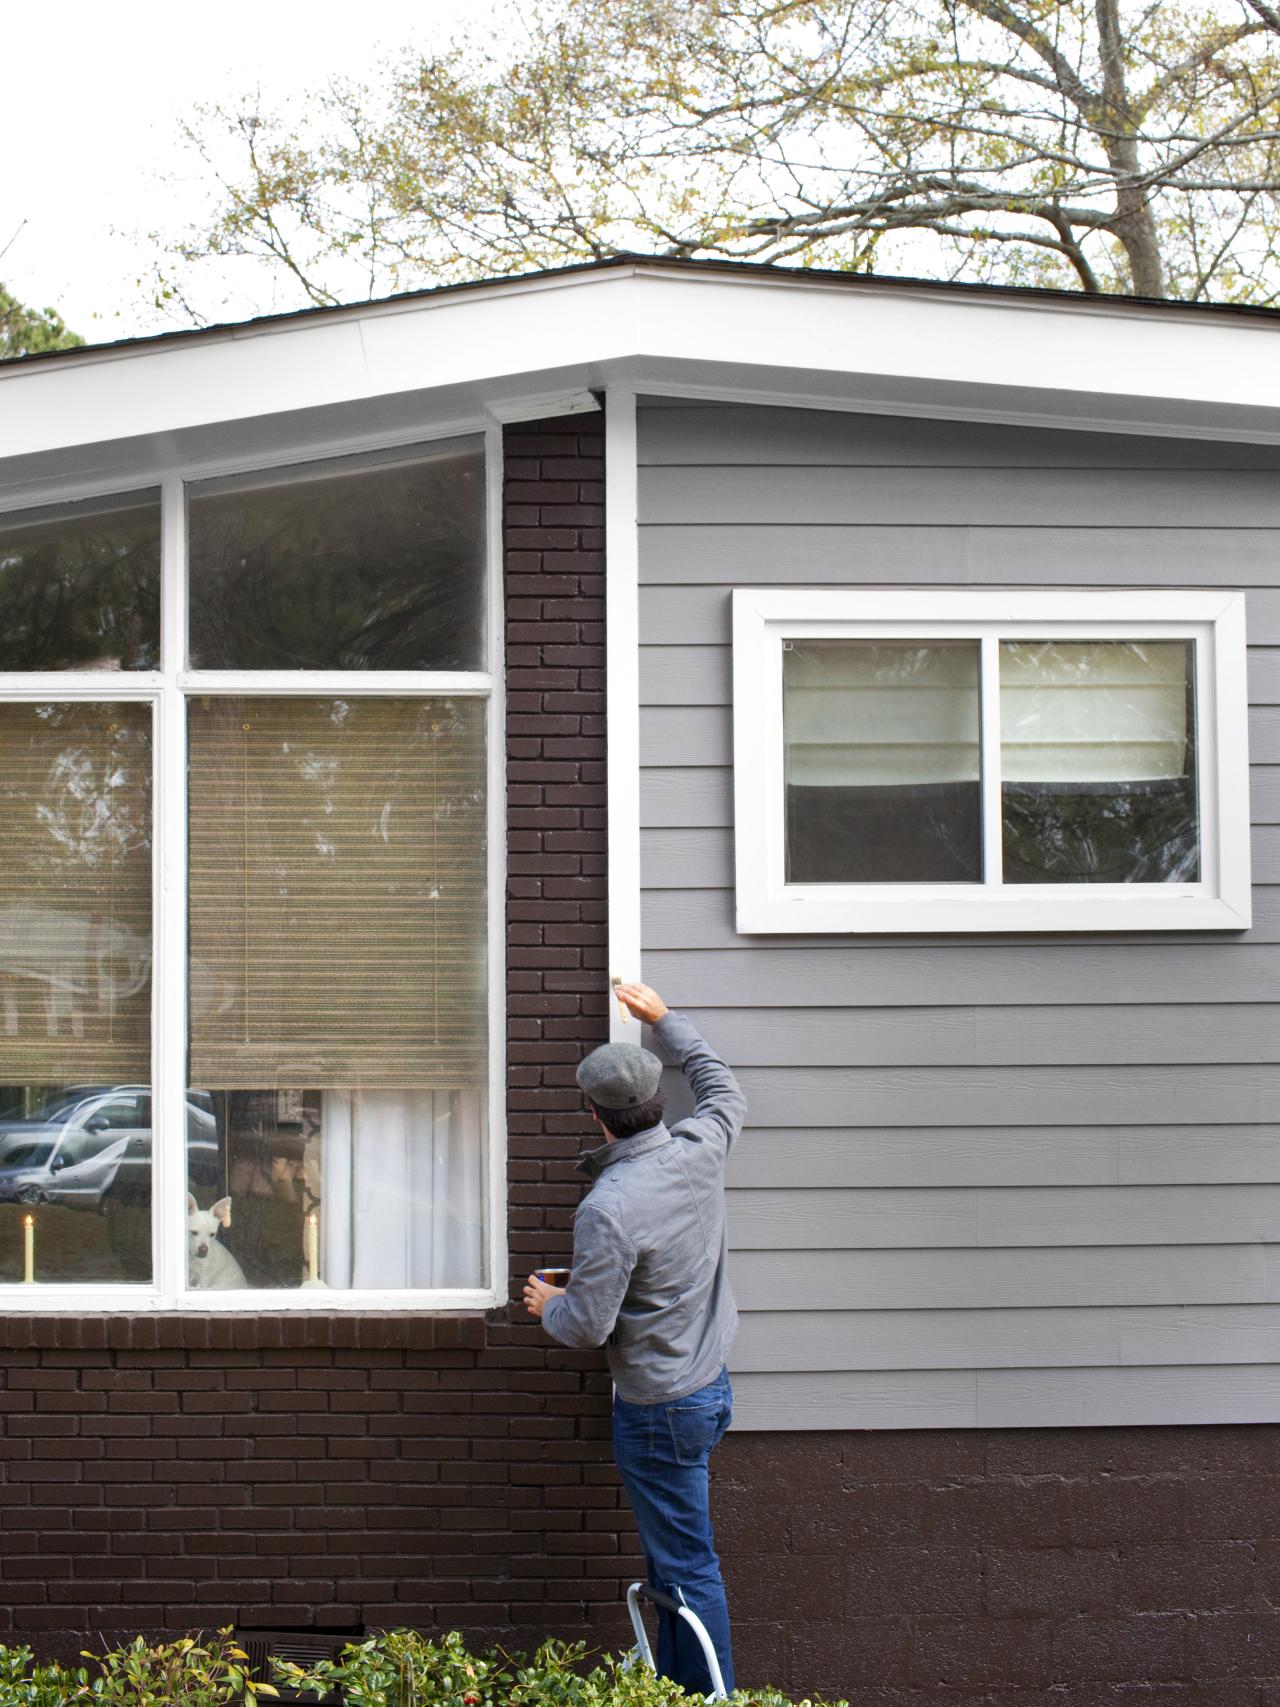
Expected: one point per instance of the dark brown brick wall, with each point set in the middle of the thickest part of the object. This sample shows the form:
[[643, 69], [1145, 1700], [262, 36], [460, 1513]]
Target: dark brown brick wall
[[344, 1472], [1010, 1568]]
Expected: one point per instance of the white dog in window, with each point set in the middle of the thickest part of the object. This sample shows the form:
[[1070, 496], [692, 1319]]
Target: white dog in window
[[210, 1264]]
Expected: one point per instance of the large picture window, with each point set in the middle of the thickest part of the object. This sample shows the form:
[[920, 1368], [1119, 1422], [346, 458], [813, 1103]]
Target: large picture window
[[979, 761], [245, 914]]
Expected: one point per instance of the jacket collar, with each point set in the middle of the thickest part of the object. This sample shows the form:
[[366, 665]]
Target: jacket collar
[[593, 1162]]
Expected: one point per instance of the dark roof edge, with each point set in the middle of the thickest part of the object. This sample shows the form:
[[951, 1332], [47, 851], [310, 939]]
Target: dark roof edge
[[694, 264]]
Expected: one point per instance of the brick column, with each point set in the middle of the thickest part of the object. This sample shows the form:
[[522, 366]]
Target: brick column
[[557, 1000]]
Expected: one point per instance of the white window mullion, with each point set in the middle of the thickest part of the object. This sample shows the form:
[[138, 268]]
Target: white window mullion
[[169, 980], [65, 686], [622, 678], [348, 684], [992, 818]]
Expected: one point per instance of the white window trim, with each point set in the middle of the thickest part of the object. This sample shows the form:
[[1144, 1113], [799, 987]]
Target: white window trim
[[167, 690], [622, 686], [766, 903]]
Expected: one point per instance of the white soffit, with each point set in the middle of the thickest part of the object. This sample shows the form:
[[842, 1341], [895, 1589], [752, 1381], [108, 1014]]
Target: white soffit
[[791, 338]]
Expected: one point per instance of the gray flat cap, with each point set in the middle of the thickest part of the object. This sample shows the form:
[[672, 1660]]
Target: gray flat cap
[[620, 1075]]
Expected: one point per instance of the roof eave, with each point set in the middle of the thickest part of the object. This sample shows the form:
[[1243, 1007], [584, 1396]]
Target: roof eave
[[629, 264]]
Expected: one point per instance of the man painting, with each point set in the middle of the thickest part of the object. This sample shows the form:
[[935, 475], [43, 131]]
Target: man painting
[[650, 1282]]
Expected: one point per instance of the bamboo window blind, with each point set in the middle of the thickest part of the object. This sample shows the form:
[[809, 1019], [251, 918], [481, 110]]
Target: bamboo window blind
[[337, 893], [75, 894]]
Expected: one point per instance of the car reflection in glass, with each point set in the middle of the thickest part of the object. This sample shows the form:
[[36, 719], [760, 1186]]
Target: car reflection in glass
[[80, 1153]]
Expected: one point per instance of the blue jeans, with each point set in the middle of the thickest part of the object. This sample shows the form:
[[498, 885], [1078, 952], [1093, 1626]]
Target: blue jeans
[[661, 1453]]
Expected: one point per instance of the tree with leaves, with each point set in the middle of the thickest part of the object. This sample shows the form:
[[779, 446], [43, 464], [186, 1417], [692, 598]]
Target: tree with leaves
[[31, 331], [1127, 146]]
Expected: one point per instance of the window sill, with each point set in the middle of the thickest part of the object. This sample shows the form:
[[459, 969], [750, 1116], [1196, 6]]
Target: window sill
[[901, 911], [462, 1330]]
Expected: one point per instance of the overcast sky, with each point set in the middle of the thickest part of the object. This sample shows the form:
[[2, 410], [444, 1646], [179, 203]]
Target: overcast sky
[[91, 105]]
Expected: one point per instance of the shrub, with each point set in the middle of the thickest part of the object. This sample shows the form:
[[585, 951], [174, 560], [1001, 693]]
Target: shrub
[[403, 1669], [181, 1673], [398, 1668], [23, 1684]]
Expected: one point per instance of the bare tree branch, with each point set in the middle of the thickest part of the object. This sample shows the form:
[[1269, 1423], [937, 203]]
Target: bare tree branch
[[1111, 145]]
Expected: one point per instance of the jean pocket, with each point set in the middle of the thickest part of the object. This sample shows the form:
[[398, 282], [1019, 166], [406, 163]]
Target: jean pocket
[[695, 1429]]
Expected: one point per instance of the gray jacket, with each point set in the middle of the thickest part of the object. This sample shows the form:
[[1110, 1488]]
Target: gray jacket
[[650, 1269]]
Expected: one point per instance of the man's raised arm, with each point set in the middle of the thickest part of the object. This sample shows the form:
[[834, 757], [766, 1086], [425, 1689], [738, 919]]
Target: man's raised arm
[[718, 1100]]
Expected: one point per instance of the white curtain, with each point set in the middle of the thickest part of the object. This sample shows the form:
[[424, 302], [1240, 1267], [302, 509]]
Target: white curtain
[[403, 1174]]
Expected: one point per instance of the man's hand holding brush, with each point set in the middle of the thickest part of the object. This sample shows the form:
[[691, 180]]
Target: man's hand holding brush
[[640, 1000]]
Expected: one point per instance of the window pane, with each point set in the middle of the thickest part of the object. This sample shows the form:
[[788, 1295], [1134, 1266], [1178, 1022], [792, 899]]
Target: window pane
[[339, 990], [1099, 762], [343, 566], [75, 991], [882, 762], [80, 586]]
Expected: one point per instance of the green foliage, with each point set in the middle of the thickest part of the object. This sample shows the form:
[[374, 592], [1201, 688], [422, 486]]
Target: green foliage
[[24, 1684], [398, 1668], [187, 1671], [31, 331], [183, 1673], [1127, 146], [401, 1669], [404, 1669]]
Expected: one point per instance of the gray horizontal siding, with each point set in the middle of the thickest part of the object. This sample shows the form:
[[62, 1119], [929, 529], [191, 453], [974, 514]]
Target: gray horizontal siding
[[772, 1340], [1046, 1276], [699, 614], [1000, 1035], [772, 975], [791, 1218], [1110, 498], [1013, 1096], [933, 1156], [986, 1181], [683, 435], [1008, 1398], [828, 554]]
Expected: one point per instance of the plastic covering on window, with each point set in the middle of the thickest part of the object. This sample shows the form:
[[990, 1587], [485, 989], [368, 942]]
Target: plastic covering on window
[[882, 761], [1098, 760]]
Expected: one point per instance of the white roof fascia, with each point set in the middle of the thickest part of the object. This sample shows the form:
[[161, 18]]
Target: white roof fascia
[[1115, 366]]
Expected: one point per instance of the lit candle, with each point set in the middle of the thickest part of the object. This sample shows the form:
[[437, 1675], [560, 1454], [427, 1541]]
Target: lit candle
[[28, 1247], [313, 1246]]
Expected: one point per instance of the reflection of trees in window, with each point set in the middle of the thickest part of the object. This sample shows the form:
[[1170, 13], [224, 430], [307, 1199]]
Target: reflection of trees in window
[[376, 567], [95, 805], [75, 893], [1099, 745], [1136, 832], [80, 589]]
